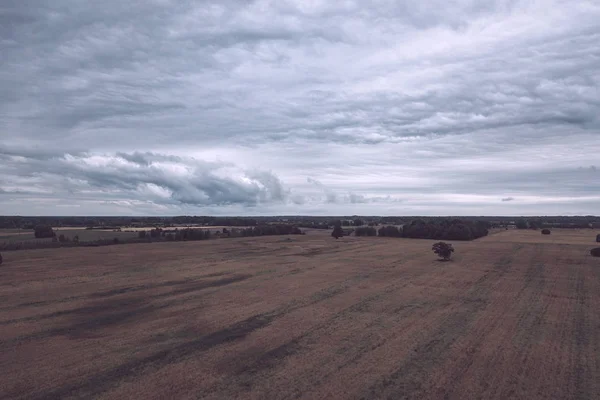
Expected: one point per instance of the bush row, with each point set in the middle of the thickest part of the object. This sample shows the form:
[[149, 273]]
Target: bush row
[[365, 231], [203, 234]]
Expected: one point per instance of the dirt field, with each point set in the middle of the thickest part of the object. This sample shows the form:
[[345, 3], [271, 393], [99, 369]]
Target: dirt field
[[516, 315]]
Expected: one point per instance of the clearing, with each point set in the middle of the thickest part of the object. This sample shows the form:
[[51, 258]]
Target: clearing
[[515, 315]]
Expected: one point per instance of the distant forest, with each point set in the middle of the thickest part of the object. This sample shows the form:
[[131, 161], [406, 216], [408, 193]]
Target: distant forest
[[19, 222]]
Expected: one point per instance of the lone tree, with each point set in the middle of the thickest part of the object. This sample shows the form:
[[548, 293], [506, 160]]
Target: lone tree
[[545, 231], [337, 232], [443, 250]]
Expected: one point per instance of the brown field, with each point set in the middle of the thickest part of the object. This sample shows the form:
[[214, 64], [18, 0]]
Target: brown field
[[515, 315]]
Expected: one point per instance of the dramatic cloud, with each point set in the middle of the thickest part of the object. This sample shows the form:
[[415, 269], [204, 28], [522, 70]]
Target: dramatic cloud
[[300, 107], [158, 178]]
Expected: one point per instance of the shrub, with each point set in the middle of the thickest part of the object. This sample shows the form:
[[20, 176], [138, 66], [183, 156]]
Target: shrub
[[348, 232], [0, 258], [595, 252], [533, 225], [443, 250], [521, 224], [459, 232], [62, 238], [43, 231], [598, 238], [116, 240], [337, 232], [155, 233], [389, 231], [266, 230], [365, 231], [480, 229], [192, 234], [76, 239], [545, 231], [142, 234]]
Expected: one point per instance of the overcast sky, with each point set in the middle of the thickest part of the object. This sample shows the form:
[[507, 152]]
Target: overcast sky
[[433, 107]]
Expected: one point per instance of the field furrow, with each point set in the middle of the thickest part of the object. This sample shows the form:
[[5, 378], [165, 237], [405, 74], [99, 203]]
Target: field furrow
[[511, 317]]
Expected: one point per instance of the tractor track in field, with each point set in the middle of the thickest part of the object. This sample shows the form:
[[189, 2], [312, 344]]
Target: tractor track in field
[[312, 317]]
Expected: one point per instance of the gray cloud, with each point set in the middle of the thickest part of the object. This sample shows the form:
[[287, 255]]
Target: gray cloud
[[154, 177], [357, 198], [223, 107], [330, 196]]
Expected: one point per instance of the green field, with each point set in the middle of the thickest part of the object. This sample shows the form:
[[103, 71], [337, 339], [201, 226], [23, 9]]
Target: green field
[[26, 235]]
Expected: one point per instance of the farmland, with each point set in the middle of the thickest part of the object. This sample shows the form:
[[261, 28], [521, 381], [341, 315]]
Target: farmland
[[514, 315], [11, 237], [23, 235]]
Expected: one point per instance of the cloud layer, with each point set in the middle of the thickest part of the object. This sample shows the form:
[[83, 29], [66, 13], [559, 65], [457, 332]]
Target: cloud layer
[[295, 107]]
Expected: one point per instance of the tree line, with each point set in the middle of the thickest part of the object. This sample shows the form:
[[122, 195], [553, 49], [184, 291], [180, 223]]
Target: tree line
[[204, 234], [319, 222], [153, 235], [537, 223], [444, 229]]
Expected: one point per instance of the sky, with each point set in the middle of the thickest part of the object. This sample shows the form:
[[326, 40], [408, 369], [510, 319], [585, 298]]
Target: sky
[[314, 107]]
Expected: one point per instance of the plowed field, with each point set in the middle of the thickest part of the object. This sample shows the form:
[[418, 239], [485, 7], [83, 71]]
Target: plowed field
[[515, 315]]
